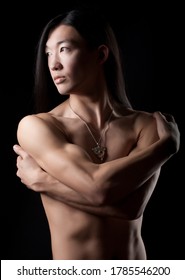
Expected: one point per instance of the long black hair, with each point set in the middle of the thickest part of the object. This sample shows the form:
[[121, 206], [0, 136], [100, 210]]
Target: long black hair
[[95, 29]]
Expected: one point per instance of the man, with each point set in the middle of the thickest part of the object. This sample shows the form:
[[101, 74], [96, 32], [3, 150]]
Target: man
[[94, 160]]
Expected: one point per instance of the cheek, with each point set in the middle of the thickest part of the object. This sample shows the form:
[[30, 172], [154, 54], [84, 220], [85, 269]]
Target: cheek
[[77, 67], [80, 66]]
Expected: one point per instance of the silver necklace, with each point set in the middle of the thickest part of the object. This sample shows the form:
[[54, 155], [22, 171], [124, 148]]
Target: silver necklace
[[98, 150]]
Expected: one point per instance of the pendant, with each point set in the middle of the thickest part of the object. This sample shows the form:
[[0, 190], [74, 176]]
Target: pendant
[[99, 152]]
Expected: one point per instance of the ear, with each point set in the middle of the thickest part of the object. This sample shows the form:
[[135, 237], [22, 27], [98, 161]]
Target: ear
[[103, 53]]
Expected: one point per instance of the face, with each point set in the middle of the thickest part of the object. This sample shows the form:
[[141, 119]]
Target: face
[[73, 67]]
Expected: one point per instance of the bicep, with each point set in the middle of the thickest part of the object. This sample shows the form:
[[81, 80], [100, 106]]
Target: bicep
[[47, 145]]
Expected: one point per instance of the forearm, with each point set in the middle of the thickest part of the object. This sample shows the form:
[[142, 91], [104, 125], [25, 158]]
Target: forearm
[[111, 181], [133, 171], [105, 210], [121, 209], [58, 191], [47, 184]]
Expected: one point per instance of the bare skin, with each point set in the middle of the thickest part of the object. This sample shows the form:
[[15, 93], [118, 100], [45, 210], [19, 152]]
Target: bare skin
[[94, 209]]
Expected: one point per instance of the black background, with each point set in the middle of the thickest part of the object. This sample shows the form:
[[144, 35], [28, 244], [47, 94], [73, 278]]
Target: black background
[[151, 38]]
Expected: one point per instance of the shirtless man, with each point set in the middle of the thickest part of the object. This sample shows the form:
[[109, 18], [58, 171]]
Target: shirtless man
[[94, 160]]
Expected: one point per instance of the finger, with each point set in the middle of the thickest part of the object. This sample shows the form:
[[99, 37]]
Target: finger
[[19, 159], [169, 117], [159, 115], [165, 116], [19, 151]]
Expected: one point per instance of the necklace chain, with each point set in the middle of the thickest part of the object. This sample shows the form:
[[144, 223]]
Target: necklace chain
[[99, 150]]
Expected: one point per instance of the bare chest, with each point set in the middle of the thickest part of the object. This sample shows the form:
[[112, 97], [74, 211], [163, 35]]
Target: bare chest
[[114, 142]]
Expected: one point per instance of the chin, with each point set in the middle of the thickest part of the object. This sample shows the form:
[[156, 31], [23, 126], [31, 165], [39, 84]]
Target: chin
[[62, 91]]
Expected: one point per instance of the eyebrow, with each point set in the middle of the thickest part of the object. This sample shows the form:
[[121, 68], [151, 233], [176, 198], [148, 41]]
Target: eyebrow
[[73, 42]]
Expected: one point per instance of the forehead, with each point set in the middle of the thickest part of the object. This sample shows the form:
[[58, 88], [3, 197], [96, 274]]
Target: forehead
[[64, 33]]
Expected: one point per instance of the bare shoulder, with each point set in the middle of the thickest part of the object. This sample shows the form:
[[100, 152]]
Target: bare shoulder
[[141, 119], [31, 122], [37, 128], [34, 120], [144, 119], [50, 118], [143, 124]]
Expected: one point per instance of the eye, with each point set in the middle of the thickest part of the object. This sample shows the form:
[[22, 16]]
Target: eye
[[64, 49], [48, 54]]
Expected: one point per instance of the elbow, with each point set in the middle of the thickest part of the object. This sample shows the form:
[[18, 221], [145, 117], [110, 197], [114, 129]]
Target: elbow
[[98, 197], [99, 192], [98, 200]]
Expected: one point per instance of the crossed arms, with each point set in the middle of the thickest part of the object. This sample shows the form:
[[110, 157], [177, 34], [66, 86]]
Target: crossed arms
[[65, 172]]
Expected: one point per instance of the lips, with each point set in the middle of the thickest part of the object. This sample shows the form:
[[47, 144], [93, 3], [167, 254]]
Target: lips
[[59, 80]]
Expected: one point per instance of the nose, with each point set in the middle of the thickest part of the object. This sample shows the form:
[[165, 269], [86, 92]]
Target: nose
[[56, 65]]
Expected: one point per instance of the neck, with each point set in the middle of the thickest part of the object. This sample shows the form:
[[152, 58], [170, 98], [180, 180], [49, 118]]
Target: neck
[[99, 149], [95, 113]]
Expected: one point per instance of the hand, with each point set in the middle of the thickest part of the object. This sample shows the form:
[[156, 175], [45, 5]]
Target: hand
[[167, 128], [27, 168]]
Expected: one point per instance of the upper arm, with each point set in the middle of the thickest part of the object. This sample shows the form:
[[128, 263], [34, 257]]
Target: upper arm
[[48, 146], [146, 130]]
